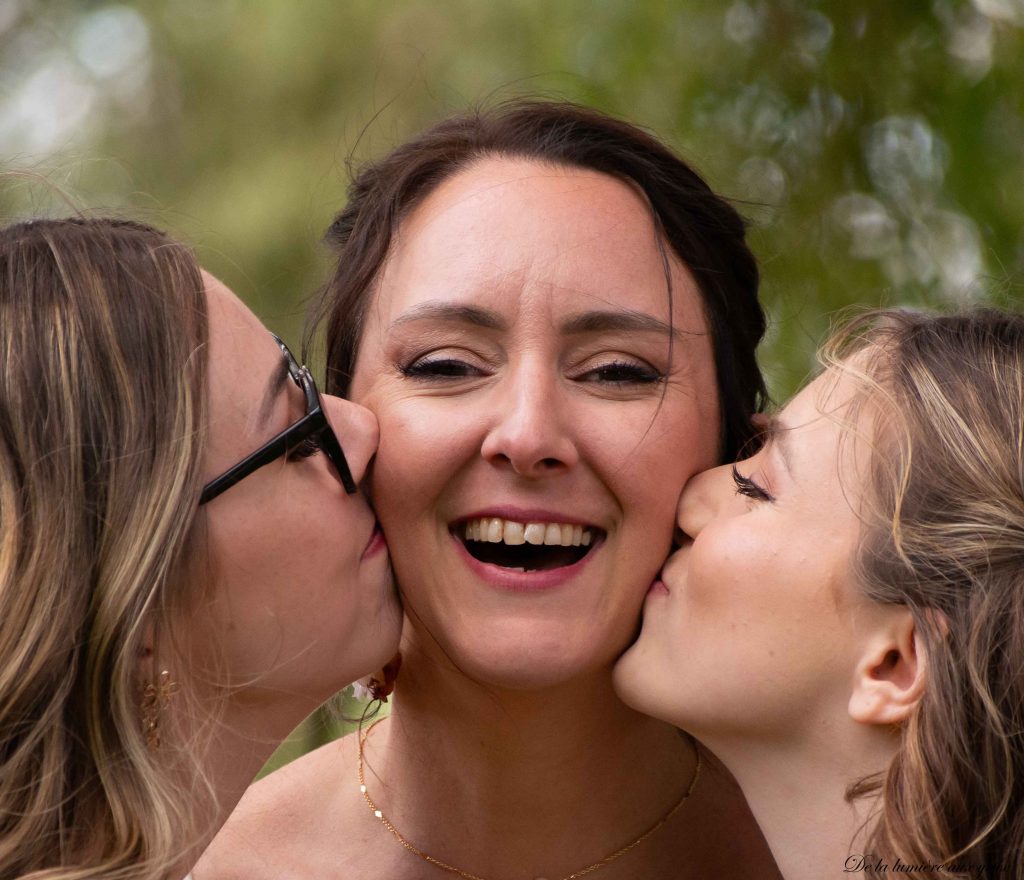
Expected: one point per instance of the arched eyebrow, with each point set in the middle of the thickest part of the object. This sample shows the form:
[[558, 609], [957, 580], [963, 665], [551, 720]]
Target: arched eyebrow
[[775, 433], [616, 320], [596, 321], [275, 383], [445, 311]]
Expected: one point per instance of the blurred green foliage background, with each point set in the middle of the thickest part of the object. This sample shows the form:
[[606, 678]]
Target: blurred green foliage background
[[876, 146]]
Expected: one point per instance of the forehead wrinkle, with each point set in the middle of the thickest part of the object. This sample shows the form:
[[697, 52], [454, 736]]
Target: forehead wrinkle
[[616, 221], [460, 313]]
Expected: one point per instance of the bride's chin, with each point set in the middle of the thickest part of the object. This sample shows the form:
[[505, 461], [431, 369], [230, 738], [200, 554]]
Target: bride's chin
[[516, 662]]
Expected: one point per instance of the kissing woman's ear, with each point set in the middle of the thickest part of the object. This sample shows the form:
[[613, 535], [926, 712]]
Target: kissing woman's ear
[[889, 679]]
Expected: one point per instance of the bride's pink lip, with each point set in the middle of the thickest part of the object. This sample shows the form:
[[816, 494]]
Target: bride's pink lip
[[376, 543]]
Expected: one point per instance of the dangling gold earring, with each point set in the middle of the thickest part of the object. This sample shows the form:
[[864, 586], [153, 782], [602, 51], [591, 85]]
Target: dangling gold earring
[[381, 687], [155, 696]]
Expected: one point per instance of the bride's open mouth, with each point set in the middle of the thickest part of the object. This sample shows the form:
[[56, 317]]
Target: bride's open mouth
[[526, 546]]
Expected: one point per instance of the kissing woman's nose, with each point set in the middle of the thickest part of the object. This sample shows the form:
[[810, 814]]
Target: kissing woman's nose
[[701, 499], [357, 432]]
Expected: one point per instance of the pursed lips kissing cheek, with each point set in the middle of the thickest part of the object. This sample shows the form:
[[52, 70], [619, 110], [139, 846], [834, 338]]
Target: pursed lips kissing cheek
[[659, 586]]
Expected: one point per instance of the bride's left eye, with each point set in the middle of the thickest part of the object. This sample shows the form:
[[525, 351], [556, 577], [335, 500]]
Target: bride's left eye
[[621, 372], [748, 488]]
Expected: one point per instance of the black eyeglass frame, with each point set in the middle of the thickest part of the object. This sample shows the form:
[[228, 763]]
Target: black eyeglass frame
[[314, 422]]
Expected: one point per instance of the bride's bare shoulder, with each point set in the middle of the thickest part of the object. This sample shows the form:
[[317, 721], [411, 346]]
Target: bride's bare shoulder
[[290, 823]]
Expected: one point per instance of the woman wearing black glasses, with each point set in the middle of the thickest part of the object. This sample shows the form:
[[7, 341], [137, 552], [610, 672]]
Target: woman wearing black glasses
[[183, 577]]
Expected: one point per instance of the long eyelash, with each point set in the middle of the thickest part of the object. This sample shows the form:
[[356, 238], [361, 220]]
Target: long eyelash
[[444, 368], [748, 488], [309, 446], [628, 373]]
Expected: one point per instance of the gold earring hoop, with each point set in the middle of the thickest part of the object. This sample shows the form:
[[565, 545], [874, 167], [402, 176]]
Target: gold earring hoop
[[155, 697]]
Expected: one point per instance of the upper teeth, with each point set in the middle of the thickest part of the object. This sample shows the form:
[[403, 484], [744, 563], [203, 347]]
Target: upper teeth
[[496, 530]]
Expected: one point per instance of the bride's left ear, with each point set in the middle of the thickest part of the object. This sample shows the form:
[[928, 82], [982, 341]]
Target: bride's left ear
[[889, 679]]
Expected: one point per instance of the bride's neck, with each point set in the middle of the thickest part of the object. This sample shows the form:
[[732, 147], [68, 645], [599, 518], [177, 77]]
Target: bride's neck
[[457, 754], [440, 706]]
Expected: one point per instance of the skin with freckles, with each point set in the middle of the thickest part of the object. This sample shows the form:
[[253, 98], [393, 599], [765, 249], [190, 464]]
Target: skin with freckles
[[759, 641], [555, 400], [762, 598]]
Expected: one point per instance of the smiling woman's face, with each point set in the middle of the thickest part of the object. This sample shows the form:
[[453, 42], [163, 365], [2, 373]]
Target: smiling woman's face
[[517, 357]]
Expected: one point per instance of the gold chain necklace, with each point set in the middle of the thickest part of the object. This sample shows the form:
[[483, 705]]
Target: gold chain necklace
[[451, 869]]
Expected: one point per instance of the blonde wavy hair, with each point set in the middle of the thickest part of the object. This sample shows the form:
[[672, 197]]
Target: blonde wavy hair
[[102, 409], [944, 535]]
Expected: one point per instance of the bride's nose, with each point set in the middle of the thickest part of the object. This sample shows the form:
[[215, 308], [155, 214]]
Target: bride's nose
[[530, 431]]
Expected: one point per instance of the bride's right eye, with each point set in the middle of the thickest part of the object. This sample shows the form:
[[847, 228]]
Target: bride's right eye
[[429, 367]]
